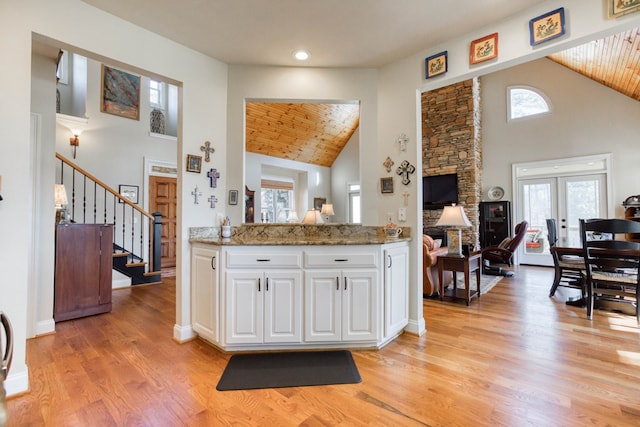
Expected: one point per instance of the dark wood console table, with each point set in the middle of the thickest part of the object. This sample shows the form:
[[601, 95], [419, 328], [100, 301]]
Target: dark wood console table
[[460, 264]]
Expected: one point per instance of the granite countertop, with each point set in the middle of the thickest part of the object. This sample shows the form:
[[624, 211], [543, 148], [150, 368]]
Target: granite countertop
[[297, 234]]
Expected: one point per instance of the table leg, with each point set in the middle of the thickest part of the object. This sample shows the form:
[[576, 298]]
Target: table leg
[[467, 285], [478, 281], [441, 279]]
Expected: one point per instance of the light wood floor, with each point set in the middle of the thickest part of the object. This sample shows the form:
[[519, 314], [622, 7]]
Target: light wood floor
[[513, 358]]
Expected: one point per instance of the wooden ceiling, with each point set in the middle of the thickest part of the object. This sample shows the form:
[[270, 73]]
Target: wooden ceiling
[[613, 61], [311, 132]]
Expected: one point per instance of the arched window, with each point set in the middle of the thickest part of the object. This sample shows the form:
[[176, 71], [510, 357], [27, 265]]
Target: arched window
[[524, 101]]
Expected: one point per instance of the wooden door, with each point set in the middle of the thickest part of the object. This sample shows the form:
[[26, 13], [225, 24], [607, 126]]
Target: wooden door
[[163, 199]]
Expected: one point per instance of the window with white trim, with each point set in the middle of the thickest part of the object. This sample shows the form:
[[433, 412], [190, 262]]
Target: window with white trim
[[525, 101], [156, 94], [277, 201]]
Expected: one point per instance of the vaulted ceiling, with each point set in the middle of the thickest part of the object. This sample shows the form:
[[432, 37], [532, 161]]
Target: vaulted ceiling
[[613, 61]]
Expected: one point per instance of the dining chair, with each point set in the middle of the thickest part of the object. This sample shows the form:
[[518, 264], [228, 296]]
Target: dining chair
[[611, 262], [568, 263]]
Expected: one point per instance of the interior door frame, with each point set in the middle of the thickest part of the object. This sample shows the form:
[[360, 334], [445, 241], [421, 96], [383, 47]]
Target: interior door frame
[[558, 168], [156, 168]]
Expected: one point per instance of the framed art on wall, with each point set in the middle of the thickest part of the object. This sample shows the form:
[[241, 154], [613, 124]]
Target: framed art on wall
[[194, 163], [546, 27], [435, 65], [483, 49], [129, 192], [386, 184], [318, 202], [616, 8], [120, 93]]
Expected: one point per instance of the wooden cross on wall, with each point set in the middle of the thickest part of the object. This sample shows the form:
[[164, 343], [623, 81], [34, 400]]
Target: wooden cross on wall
[[404, 170], [208, 150], [195, 193], [213, 175], [212, 201]]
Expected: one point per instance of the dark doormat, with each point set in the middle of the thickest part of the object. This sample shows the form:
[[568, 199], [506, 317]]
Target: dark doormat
[[289, 369]]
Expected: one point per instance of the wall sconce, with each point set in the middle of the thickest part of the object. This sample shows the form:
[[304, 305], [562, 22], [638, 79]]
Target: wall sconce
[[60, 200], [312, 216], [75, 140], [327, 211]]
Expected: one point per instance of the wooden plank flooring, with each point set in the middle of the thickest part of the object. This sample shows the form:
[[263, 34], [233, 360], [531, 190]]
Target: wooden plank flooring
[[512, 358]]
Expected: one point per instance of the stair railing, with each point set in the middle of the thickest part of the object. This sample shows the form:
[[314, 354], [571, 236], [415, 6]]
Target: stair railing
[[93, 202]]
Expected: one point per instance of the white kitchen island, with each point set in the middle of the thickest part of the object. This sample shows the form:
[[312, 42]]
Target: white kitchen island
[[299, 287]]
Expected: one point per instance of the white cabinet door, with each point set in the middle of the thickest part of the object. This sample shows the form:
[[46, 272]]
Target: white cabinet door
[[245, 302], [282, 306], [359, 305], [340, 305], [205, 264], [322, 306], [396, 289]]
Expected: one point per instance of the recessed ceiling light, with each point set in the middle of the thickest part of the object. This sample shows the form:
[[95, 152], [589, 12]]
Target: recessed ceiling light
[[301, 55]]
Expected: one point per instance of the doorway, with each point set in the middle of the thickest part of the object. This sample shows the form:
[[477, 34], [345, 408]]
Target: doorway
[[163, 199], [567, 190]]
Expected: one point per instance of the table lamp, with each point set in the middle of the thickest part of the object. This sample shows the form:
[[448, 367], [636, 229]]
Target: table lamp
[[327, 211], [454, 216], [312, 216], [60, 200]]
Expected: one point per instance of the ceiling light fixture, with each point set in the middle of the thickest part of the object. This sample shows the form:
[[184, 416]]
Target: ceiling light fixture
[[301, 55]]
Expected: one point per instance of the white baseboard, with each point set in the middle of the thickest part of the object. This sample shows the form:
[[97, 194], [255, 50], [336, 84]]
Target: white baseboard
[[416, 327], [183, 333], [119, 280], [17, 382], [45, 327]]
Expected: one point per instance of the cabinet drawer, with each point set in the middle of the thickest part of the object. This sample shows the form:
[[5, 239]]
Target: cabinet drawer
[[341, 260], [261, 260]]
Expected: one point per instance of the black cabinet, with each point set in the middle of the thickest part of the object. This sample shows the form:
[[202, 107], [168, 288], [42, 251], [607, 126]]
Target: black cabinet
[[495, 222]]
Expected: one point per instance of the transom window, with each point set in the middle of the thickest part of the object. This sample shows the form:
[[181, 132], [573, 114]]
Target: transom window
[[524, 101], [156, 94]]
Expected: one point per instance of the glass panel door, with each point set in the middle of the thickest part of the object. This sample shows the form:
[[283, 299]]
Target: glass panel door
[[567, 199]]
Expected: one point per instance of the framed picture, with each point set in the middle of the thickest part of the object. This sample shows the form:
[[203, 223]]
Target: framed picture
[[194, 163], [546, 27], [129, 192], [386, 184], [318, 202], [484, 49], [435, 65], [616, 8], [120, 93], [233, 197]]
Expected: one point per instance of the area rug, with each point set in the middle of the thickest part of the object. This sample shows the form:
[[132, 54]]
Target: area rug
[[288, 369], [487, 282]]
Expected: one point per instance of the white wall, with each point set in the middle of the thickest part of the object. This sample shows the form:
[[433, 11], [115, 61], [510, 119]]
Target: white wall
[[203, 94], [345, 169], [278, 83], [587, 118]]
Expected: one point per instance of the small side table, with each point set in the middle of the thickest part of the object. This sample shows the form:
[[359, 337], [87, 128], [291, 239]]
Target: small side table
[[460, 264]]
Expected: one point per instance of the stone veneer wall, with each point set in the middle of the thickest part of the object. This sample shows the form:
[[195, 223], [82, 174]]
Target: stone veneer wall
[[451, 143]]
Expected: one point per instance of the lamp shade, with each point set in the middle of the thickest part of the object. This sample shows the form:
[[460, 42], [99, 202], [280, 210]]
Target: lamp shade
[[60, 195], [293, 216], [327, 209], [312, 217], [453, 216]]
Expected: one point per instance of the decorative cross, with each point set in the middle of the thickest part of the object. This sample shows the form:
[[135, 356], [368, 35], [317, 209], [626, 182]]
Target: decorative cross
[[212, 201], [195, 193], [388, 163], [207, 149], [402, 140], [404, 170], [405, 194], [213, 175]]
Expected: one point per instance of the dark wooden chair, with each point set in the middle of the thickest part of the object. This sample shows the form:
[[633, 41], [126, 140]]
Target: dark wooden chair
[[611, 262], [503, 252], [568, 263]]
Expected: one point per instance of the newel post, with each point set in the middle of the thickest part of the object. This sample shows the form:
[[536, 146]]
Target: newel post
[[157, 241]]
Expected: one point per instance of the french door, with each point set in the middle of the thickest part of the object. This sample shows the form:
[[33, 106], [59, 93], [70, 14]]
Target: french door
[[566, 198]]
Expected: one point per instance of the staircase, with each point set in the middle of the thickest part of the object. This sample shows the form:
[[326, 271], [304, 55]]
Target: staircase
[[137, 233]]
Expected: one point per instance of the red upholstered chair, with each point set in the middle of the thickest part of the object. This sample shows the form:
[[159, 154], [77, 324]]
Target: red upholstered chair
[[503, 252]]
